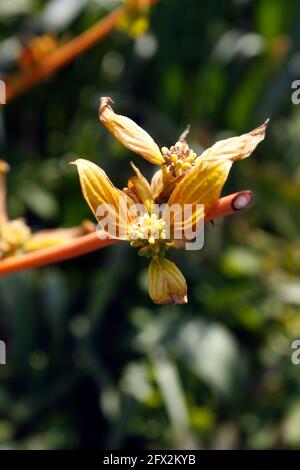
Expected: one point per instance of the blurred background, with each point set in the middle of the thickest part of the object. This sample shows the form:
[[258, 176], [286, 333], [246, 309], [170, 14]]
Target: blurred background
[[91, 362]]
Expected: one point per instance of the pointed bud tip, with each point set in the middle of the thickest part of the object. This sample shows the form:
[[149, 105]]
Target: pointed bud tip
[[104, 103], [76, 162], [185, 133], [260, 130], [173, 300]]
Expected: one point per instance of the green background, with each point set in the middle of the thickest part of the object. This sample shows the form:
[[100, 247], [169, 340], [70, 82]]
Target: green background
[[91, 362]]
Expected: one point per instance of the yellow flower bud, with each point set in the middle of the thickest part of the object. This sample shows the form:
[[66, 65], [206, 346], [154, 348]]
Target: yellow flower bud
[[186, 166], [157, 183], [166, 283], [140, 187]]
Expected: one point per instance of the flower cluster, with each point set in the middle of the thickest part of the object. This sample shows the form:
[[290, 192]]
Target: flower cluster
[[182, 179], [16, 236]]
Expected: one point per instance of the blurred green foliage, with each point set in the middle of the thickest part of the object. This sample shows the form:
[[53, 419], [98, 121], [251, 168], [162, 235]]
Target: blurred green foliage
[[90, 361]]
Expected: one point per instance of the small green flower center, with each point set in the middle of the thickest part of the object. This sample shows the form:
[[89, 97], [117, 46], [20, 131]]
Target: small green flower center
[[179, 158]]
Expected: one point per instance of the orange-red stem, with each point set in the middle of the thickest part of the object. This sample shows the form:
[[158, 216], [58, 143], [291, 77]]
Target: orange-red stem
[[68, 250], [91, 242], [231, 204], [67, 52]]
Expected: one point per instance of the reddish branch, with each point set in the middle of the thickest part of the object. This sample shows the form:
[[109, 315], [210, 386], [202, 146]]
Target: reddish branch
[[18, 84], [91, 242]]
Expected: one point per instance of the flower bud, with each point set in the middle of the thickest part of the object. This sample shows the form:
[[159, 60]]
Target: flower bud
[[166, 283]]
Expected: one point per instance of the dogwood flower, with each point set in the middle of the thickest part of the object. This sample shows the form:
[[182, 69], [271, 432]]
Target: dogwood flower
[[183, 179]]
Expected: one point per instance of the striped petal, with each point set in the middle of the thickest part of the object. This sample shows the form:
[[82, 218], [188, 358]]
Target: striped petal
[[129, 133], [202, 186], [157, 183], [105, 200], [141, 188], [235, 148], [166, 283]]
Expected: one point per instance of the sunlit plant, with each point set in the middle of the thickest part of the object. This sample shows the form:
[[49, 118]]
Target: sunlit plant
[[183, 178]]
